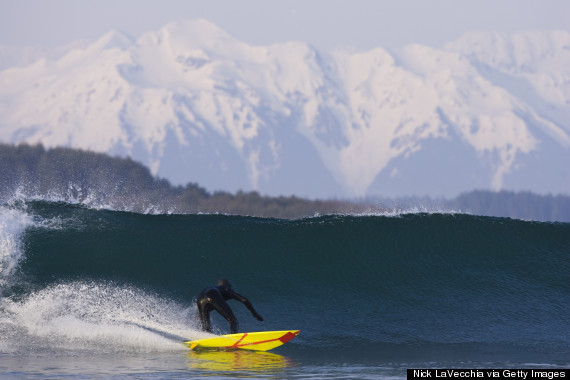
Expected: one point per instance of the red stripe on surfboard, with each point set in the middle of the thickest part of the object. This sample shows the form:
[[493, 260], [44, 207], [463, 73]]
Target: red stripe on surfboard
[[242, 338], [284, 339]]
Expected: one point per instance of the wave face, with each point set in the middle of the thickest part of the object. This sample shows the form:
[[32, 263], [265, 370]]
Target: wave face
[[79, 278]]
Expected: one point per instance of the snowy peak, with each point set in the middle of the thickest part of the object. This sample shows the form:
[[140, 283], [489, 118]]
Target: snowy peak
[[112, 40], [531, 66], [519, 52], [197, 105], [197, 33], [21, 56], [201, 35]]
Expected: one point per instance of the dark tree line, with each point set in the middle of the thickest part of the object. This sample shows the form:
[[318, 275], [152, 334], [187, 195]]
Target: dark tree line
[[88, 177], [520, 205]]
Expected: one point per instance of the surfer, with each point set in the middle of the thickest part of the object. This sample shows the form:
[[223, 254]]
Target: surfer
[[214, 298]]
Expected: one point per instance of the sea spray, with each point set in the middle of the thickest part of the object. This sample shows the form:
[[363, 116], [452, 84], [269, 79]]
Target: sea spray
[[97, 317], [13, 223]]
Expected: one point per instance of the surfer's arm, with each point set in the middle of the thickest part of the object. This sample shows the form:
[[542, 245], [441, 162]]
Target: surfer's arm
[[247, 304]]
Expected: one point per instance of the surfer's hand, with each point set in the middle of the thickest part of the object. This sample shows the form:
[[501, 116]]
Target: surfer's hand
[[258, 317]]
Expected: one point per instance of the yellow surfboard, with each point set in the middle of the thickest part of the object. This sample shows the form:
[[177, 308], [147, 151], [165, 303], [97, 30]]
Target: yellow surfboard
[[259, 341]]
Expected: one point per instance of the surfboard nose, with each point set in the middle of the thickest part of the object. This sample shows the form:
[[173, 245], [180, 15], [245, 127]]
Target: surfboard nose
[[288, 336]]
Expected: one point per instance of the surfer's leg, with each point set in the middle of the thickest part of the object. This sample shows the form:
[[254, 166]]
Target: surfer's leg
[[205, 319], [224, 309], [204, 313], [234, 326]]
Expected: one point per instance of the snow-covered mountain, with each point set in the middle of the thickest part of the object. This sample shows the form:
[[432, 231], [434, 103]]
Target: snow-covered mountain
[[489, 110]]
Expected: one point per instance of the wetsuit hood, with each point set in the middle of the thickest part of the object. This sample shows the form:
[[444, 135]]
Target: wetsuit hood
[[224, 282]]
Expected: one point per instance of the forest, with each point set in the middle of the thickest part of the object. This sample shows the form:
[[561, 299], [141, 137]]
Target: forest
[[96, 179], [71, 175]]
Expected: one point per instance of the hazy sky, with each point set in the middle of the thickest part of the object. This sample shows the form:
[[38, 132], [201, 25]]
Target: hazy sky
[[322, 23]]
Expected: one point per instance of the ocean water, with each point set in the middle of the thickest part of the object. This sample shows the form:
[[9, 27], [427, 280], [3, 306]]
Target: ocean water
[[95, 293]]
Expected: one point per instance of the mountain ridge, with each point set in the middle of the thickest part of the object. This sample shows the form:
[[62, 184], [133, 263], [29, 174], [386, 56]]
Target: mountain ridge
[[195, 104]]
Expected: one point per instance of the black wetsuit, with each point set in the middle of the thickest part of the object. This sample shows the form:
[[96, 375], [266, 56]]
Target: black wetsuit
[[214, 298]]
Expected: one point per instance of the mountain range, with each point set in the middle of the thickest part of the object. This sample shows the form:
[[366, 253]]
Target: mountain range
[[488, 111]]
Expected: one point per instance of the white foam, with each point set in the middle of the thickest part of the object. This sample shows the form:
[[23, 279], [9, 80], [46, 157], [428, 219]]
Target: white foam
[[13, 222], [90, 197], [97, 317]]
